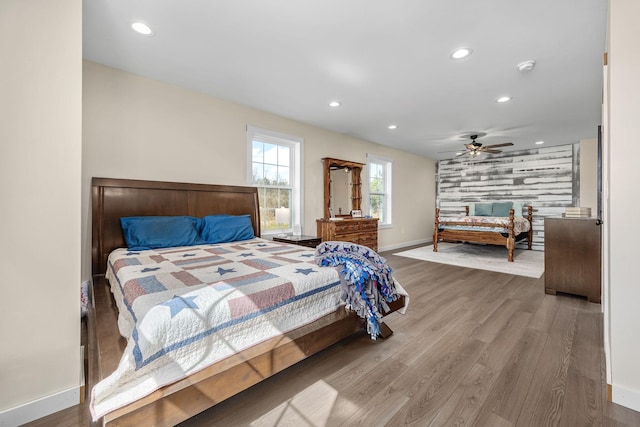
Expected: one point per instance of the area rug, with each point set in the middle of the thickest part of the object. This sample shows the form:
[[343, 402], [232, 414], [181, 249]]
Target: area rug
[[484, 257]]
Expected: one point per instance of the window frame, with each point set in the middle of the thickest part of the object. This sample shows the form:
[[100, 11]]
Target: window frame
[[387, 165], [296, 174]]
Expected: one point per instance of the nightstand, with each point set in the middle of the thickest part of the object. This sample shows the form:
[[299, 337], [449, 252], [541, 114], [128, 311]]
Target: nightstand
[[308, 241]]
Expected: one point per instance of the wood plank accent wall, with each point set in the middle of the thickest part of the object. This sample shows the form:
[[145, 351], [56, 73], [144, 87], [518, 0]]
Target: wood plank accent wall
[[546, 178]]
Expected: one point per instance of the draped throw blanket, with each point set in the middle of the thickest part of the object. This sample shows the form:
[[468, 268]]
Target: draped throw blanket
[[366, 279]]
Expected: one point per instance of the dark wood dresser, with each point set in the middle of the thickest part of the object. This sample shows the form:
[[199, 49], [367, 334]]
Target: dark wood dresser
[[363, 231], [572, 257]]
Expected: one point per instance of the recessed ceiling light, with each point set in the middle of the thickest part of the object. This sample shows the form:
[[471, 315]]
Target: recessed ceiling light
[[141, 28], [503, 99], [539, 142], [463, 52], [393, 127], [334, 104]]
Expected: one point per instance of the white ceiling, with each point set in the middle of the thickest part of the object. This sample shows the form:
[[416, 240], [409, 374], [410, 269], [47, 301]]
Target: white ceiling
[[386, 61]]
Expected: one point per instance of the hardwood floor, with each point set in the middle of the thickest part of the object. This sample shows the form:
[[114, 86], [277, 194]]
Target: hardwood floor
[[475, 348]]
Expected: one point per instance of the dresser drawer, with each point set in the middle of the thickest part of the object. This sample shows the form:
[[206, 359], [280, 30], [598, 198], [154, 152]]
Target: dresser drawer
[[369, 241], [369, 225], [347, 227], [353, 238]]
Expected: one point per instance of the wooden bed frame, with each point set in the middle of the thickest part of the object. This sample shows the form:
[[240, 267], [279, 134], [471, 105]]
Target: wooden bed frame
[[115, 198], [489, 237]]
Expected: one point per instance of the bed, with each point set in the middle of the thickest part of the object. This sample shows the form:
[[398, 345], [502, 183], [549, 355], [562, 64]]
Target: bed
[[493, 223], [183, 275]]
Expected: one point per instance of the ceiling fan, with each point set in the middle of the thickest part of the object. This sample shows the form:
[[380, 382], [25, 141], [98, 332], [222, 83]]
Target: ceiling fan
[[475, 148]]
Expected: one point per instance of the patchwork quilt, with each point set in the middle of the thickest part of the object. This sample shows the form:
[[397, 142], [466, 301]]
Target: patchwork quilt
[[182, 309], [520, 225]]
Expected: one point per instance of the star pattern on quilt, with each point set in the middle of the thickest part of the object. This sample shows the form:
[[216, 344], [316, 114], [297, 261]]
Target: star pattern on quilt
[[305, 271], [247, 254], [186, 255], [222, 271], [262, 244], [307, 255], [132, 253], [177, 304], [148, 269]]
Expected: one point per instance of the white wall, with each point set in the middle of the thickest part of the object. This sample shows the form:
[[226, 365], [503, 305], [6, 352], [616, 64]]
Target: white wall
[[40, 170], [622, 206], [138, 128]]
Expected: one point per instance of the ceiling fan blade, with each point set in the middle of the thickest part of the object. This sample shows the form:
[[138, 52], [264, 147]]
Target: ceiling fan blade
[[491, 151], [506, 144], [462, 154]]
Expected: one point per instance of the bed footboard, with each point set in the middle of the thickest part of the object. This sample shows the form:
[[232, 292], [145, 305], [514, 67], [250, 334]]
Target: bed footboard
[[480, 236]]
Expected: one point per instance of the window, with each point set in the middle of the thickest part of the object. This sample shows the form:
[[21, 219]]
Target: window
[[379, 189], [274, 166]]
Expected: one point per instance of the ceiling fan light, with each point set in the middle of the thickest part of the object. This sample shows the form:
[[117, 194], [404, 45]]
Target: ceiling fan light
[[503, 99]]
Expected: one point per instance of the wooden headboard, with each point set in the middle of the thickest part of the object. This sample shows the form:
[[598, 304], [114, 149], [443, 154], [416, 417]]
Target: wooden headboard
[[115, 198]]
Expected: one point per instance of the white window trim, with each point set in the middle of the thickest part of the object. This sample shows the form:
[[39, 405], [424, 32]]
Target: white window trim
[[372, 158], [297, 145]]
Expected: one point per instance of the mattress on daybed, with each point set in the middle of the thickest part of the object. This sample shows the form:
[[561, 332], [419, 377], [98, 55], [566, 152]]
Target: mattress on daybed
[[520, 225]]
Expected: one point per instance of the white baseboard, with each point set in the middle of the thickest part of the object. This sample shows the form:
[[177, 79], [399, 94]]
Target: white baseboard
[[625, 397], [40, 408], [403, 245]]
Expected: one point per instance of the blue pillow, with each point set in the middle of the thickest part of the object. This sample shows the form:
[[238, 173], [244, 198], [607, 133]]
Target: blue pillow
[[226, 228], [483, 209], [517, 209], [151, 232], [501, 208]]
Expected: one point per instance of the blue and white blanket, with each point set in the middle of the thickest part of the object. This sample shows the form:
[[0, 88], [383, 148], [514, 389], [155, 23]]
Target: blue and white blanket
[[366, 278]]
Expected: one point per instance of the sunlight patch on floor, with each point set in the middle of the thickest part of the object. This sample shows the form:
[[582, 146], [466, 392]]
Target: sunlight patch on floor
[[311, 407]]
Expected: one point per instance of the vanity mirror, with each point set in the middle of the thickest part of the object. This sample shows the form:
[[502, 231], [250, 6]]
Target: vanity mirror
[[342, 187]]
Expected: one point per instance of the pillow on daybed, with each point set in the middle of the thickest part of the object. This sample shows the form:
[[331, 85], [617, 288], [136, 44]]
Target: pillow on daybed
[[517, 207], [483, 209], [152, 232], [501, 208], [226, 228]]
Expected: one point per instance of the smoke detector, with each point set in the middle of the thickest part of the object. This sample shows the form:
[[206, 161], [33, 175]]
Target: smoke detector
[[526, 65]]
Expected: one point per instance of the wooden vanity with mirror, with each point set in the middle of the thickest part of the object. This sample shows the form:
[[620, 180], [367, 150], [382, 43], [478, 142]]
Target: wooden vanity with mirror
[[343, 194]]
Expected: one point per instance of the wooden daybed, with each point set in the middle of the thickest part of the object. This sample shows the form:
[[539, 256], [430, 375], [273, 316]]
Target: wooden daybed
[[479, 233], [115, 198]]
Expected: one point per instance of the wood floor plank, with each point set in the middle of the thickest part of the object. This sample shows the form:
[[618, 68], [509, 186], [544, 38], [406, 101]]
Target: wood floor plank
[[462, 407], [545, 398], [356, 393], [429, 391], [510, 390]]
